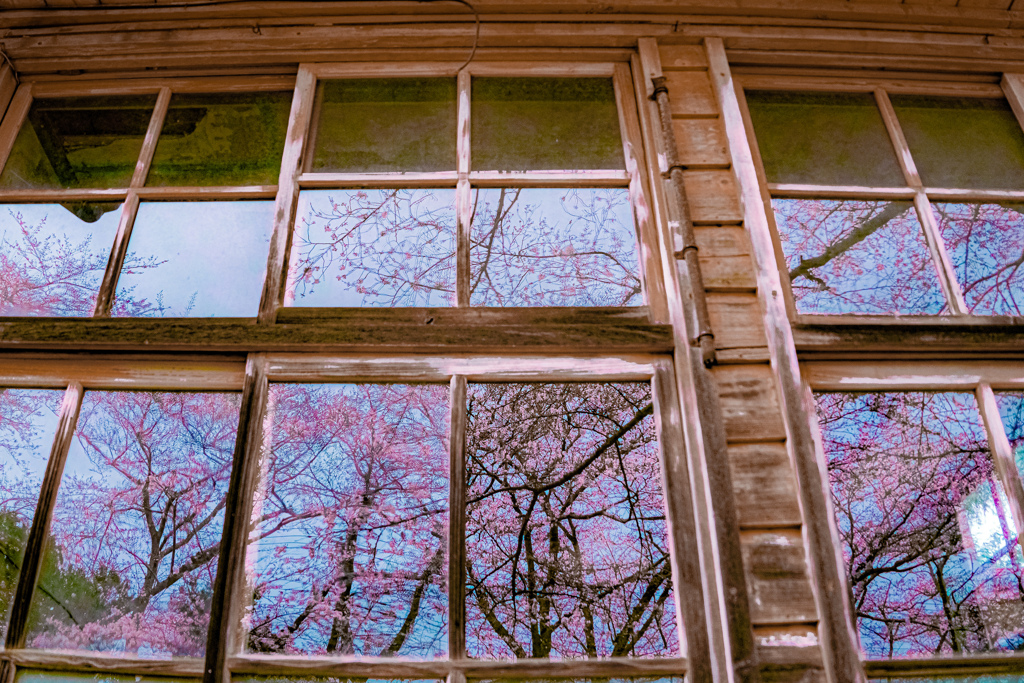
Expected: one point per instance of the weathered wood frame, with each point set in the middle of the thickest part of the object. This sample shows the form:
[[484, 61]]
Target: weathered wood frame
[[913, 190], [983, 379], [224, 651]]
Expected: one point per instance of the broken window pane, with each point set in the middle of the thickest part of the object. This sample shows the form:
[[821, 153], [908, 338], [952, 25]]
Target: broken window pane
[[79, 142], [986, 245], [196, 259], [857, 256], [136, 529], [566, 552], [930, 547], [28, 422], [538, 124], [53, 256], [963, 142], [373, 248], [349, 550], [222, 139], [823, 139], [547, 247], [385, 124]]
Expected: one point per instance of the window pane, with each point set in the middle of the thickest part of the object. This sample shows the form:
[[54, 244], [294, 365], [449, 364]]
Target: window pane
[[79, 142], [223, 139], [930, 547], [536, 124], [986, 245], [52, 256], [566, 552], [373, 248], [857, 256], [573, 247], [28, 422], [823, 139], [349, 555], [385, 124], [963, 142], [32, 676], [135, 537], [1011, 409], [196, 259]]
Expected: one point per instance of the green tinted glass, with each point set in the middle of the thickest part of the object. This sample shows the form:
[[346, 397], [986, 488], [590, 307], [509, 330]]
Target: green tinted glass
[[536, 124], [385, 124], [963, 142], [224, 139], [79, 142], [823, 139]]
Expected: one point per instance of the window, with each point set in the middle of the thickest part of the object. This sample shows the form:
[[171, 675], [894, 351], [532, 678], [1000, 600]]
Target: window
[[315, 491], [891, 202]]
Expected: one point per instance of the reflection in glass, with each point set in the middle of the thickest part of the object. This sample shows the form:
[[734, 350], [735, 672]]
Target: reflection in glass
[[79, 142], [373, 248], [537, 124], [349, 548], [1011, 410], [566, 553], [137, 523], [930, 547], [544, 247], [203, 259], [963, 142], [28, 422], [986, 244], [52, 257], [222, 139], [857, 256], [823, 139], [385, 124]]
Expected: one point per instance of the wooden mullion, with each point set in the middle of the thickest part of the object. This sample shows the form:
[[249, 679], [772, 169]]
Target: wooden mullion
[[56, 196], [228, 592], [8, 86], [514, 179], [992, 664], [797, 191], [1013, 89], [463, 191], [222, 193], [1002, 454], [897, 139], [287, 193], [156, 123], [102, 663], [35, 545], [652, 278], [457, 519], [940, 256], [17, 111], [970, 195], [396, 180]]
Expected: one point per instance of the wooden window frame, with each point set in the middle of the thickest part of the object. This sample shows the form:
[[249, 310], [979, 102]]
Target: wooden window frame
[[352, 345], [1011, 89], [980, 378]]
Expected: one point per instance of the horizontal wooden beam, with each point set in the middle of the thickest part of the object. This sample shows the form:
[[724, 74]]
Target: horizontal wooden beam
[[924, 339], [94, 663], [991, 664], [352, 331]]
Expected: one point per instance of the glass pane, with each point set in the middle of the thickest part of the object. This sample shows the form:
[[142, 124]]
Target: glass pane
[[373, 248], [566, 551], [79, 142], [135, 537], [963, 142], [549, 247], [986, 245], [857, 256], [28, 422], [241, 678], [930, 547], [349, 552], [823, 139], [196, 259], [35, 676], [223, 139], [52, 256], [537, 124], [1011, 409], [385, 124]]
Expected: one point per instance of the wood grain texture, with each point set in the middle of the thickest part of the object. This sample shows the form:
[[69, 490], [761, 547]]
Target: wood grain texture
[[690, 93], [675, 57], [930, 337], [764, 485], [736, 321], [83, 662], [701, 142], [779, 586], [714, 197], [457, 518], [24, 370], [750, 403], [724, 252]]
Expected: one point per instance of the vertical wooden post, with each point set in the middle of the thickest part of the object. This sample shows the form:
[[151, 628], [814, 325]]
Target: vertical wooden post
[[225, 612], [1002, 454], [457, 520], [17, 110], [463, 193], [837, 633]]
